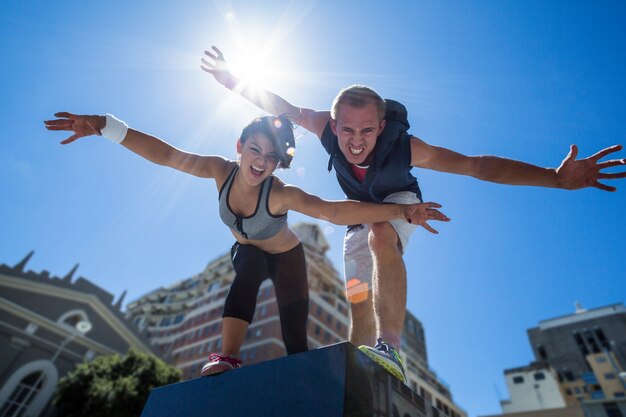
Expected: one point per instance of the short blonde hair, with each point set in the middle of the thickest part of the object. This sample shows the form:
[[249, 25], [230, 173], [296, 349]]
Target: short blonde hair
[[358, 96]]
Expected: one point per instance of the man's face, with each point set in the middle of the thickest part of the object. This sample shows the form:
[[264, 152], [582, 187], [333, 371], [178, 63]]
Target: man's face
[[357, 130]]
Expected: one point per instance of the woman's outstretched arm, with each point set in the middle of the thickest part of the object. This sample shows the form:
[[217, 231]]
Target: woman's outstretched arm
[[150, 147]]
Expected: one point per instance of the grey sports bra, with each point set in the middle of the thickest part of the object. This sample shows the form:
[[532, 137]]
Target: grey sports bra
[[261, 224]]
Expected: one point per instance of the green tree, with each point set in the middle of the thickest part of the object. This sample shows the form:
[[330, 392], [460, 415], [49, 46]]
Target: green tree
[[112, 385]]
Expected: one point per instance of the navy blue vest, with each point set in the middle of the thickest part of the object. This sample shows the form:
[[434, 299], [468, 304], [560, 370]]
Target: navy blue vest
[[389, 171]]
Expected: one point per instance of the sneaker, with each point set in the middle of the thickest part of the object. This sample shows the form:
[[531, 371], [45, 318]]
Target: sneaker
[[386, 356], [218, 364]]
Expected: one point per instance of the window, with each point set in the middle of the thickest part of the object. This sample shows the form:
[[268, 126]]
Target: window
[[609, 375], [539, 376], [602, 338], [23, 395], [601, 359], [591, 340], [619, 394], [568, 375], [568, 391], [518, 379], [612, 410]]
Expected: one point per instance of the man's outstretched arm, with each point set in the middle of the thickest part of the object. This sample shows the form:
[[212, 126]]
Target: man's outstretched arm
[[572, 174], [312, 120]]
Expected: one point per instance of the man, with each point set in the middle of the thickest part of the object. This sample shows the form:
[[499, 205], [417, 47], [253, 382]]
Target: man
[[372, 153]]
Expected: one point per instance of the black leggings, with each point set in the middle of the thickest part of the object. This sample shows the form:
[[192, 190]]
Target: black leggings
[[287, 271]]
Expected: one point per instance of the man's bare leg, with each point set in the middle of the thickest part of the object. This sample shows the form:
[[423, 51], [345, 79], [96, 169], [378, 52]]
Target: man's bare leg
[[362, 323], [389, 283]]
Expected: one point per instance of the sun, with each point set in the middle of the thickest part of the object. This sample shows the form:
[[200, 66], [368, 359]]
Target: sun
[[254, 64]]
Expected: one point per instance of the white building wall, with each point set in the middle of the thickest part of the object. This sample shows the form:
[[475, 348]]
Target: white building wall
[[529, 391]]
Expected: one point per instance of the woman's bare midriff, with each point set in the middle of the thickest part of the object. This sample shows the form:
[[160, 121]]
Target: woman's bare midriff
[[282, 242]]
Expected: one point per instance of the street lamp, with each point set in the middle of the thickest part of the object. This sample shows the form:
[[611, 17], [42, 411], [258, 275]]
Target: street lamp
[[82, 327]]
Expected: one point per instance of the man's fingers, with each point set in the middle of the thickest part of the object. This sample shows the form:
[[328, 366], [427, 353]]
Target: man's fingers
[[604, 152], [430, 229], [219, 53], [431, 204], [207, 63], [611, 163], [437, 215], [604, 187], [573, 153], [612, 176], [211, 55]]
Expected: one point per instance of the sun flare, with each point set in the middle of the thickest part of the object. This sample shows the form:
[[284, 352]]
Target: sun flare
[[254, 65]]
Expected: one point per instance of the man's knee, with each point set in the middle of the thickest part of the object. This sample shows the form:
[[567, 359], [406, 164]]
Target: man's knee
[[383, 237]]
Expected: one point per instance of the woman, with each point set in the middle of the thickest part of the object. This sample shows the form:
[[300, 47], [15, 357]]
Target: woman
[[254, 205]]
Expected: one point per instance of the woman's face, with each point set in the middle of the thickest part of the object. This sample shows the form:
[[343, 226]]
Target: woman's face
[[258, 159]]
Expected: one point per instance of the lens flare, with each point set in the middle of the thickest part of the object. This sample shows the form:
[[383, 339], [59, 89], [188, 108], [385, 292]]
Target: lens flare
[[356, 291]]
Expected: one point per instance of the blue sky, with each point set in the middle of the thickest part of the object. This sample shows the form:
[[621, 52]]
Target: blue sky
[[520, 79]]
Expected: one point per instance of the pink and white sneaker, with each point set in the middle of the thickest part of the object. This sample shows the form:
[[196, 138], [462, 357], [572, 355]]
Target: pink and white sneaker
[[218, 364]]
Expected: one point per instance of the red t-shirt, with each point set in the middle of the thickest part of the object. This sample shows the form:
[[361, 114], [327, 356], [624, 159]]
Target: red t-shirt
[[359, 172]]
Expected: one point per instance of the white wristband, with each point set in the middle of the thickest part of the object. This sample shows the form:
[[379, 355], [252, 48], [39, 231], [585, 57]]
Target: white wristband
[[114, 130]]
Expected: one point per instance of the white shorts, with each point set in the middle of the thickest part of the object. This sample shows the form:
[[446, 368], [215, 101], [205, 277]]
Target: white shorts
[[357, 257]]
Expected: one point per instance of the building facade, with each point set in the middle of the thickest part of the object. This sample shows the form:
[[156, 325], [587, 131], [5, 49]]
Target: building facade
[[579, 364], [184, 320], [587, 350], [532, 387], [47, 326]]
